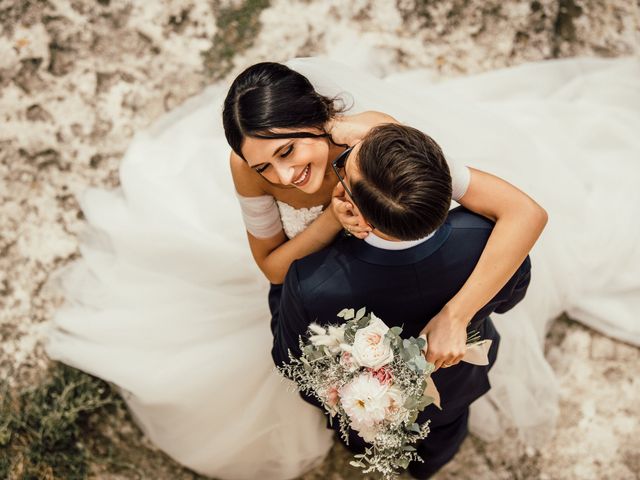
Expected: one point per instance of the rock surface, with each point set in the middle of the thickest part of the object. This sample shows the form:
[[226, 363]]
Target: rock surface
[[78, 78]]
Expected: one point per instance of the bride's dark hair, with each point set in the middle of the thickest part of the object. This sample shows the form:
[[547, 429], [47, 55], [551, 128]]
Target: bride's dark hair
[[269, 95]]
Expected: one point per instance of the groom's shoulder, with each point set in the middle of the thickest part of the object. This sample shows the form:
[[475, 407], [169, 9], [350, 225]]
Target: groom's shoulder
[[460, 218], [317, 268]]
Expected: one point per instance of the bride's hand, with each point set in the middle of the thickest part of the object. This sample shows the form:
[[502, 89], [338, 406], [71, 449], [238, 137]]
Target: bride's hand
[[347, 214], [350, 129]]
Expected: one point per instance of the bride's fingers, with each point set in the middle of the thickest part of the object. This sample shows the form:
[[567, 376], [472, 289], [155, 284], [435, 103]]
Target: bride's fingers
[[338, 190], [345, 208], [348, 220], [341, 209], [360, 233], [361, 221], [347, 215], [355, 225]]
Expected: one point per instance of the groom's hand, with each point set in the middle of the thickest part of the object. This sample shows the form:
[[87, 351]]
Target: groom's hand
[[446, 339]]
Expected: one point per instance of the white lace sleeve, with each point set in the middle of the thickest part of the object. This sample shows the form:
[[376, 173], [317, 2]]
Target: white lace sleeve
[[460, 178], [261, 216]]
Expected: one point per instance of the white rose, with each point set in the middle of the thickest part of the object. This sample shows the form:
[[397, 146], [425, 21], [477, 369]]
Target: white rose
[[369, 348], [396, 413], [365, 401]]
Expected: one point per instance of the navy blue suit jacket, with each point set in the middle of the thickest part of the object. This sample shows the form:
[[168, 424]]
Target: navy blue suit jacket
[[402, 287]]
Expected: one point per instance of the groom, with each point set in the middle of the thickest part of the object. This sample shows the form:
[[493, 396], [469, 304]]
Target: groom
[[417, 258]]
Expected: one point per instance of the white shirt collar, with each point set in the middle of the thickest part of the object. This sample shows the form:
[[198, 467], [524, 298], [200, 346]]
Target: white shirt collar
[[375, 241]]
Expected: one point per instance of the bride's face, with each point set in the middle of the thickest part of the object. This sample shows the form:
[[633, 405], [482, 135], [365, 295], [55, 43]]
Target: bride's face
[[298, 162]]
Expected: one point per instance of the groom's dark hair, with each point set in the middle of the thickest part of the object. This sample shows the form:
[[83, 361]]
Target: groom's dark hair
[[404, 188]]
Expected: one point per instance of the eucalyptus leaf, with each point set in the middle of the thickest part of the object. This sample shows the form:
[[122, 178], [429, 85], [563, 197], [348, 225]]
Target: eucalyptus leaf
[[349, 336], [420, 362], [413, 417], [306, 364], [405, 355], [425, 401], [396, 330], [410, 403], [430, 368], [363, 322]]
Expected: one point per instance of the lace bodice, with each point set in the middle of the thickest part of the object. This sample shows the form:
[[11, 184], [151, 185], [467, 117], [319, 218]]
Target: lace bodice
[[295, 220]]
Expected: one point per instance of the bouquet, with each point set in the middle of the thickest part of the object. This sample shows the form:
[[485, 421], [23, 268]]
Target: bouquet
[[371, 380]]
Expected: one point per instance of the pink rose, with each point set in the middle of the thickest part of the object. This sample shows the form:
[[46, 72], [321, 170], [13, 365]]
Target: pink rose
[[383, 375], [332, 397], [347, 361]]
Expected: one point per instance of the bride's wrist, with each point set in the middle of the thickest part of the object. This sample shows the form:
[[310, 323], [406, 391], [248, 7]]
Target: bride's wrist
[[332, 219]]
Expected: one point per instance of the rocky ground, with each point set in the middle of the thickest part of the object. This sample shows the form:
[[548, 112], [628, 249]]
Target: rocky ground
[[79, 77]]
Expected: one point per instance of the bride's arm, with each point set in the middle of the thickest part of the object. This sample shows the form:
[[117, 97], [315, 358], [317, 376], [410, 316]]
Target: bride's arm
[[519, 221], [274, 255]]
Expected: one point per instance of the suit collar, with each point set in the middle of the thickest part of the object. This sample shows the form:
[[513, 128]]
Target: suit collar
[[371, 254]]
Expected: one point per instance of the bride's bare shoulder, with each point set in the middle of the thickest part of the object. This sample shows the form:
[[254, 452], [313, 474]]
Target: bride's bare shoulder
[[247, 182]]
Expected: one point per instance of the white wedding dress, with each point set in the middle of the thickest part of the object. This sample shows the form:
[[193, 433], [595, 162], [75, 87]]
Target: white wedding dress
[[167, 303]]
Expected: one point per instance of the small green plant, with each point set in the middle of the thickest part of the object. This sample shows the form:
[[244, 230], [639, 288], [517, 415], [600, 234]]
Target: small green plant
[[44, 428]]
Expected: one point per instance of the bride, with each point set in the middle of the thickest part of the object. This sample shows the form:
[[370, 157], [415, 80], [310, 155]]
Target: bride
[[168, 305]]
